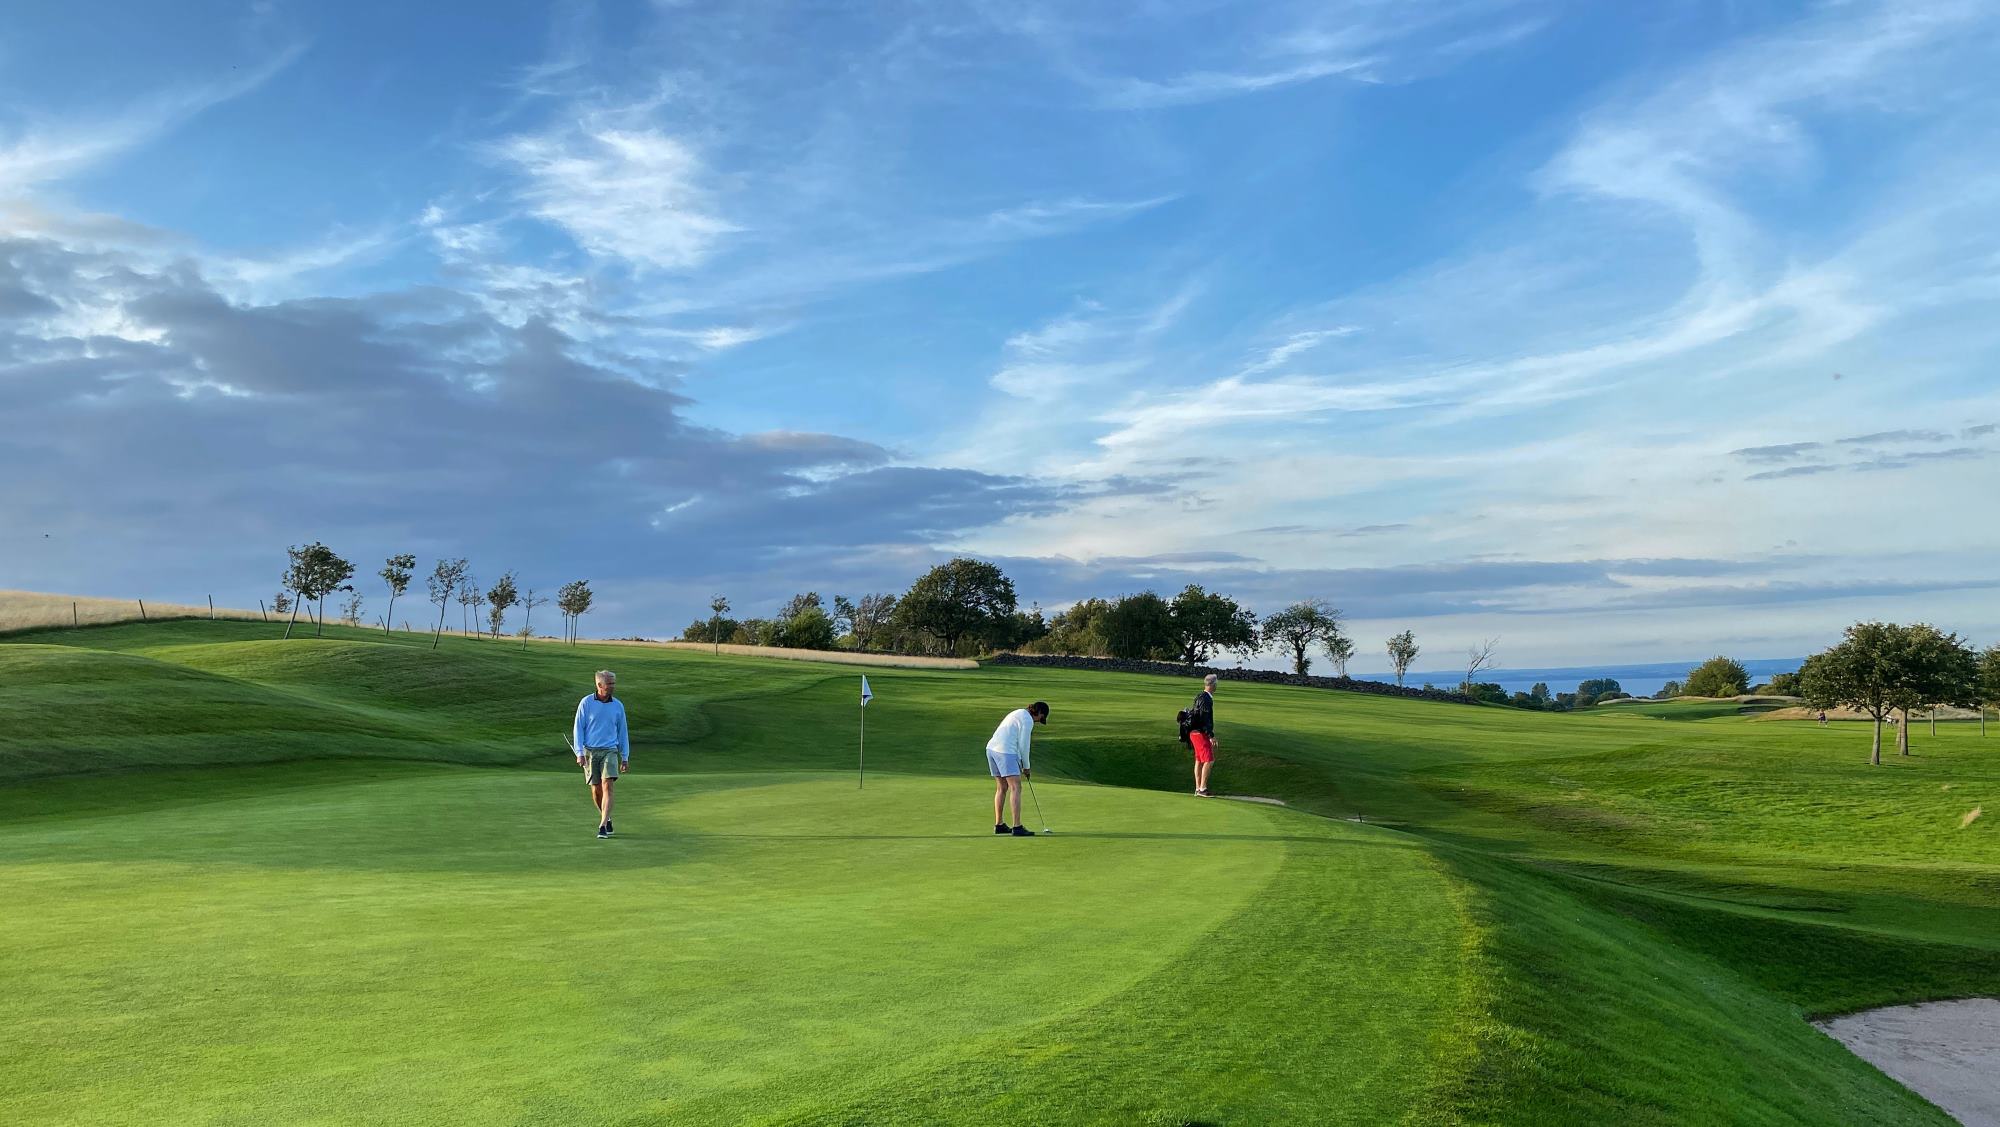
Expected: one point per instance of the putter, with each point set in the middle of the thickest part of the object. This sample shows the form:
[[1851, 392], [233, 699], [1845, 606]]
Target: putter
[[1043, 818]]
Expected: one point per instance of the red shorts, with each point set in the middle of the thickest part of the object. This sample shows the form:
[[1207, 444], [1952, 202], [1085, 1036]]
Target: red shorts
[[1204, 748]]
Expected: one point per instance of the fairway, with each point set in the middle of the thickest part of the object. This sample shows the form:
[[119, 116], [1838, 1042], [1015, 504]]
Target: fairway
[[352, 879]]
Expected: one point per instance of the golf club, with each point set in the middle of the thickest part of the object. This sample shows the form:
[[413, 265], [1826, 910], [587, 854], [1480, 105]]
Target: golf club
[[1039, 816]]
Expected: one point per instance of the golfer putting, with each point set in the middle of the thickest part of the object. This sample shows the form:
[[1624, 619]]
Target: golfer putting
[[603, 745], [1007, 761]]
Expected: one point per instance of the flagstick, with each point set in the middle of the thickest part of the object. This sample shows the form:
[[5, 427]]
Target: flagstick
[[861, 780]]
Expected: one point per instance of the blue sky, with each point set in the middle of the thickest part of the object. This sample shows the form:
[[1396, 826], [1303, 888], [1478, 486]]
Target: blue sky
[[1616, 332]]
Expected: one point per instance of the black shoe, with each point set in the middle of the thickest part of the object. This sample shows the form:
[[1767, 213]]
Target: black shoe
[[604, 830], [608, 831], [1023, 831], [1001, 828]]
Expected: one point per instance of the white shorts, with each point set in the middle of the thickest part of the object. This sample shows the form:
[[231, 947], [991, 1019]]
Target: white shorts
[[1001, 764]]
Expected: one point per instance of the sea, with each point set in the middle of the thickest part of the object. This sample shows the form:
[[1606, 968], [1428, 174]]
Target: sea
[[1639, 680]]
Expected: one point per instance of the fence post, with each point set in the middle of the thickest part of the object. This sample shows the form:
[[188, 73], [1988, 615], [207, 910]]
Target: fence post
[[142, 611], [260, 611], [211, 608], [75, 622]]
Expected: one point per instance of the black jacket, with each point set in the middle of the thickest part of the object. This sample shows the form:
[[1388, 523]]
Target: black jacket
[[1201, 715]]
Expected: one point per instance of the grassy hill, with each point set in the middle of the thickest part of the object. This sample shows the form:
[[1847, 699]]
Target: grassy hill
[[345, 878]]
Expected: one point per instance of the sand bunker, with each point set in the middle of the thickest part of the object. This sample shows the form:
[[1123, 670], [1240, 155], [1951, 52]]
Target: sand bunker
[[1947, 1052]]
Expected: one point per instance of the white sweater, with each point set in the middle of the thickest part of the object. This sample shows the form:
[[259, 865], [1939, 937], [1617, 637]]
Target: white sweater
[[1013, 735]]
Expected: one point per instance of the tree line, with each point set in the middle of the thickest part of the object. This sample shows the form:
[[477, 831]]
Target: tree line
[[314, 571], [965, 607]]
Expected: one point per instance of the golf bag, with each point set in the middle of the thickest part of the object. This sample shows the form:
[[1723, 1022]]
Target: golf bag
[[1185, 720]]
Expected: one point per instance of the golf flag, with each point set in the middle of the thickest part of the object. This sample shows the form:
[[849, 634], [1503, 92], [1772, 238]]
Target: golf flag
[[861, 756]]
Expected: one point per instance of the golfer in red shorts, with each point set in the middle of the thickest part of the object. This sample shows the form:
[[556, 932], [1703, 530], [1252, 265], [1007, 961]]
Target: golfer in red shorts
[[1201, 733]]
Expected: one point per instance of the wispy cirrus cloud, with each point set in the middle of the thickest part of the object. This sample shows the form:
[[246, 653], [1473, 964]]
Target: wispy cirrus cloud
[[1136, 61], [1208, 86], [36, 153]]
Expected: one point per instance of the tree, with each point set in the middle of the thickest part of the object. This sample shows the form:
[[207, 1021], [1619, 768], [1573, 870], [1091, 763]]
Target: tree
[[718, 608], [872, 618], [396, 572], [574, 599], [1989, 683], [714, 630], [1075, 631], [956, 599], [1942, 669], [468, 595], [1540, 694], [280, 603], [1718, 677], [447, 575], [1477, 658], [1784, 684], [1874, 670], [297, 571], [799, 604], [1300, 627], [843, 615], [1669, 690], [1403, 650], [1339, 650], [314, 573], [810, 628], [500, 597], [1016, 631], [529, 602], [350, 608], [1137, 626], [1596, 689], [1204, 624]]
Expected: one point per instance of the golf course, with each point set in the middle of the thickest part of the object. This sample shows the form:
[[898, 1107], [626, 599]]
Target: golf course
[[354, 879]]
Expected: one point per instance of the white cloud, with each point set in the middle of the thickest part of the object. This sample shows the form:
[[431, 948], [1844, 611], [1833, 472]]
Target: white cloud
[[632, 194]]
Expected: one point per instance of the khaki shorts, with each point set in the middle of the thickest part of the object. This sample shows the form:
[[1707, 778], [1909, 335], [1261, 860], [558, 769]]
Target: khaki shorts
[[600, 764]]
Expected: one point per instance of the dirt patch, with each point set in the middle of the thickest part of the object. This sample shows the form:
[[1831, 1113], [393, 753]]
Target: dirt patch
[[1946, 1052]]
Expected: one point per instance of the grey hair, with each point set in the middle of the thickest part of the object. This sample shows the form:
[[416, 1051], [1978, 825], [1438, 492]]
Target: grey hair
[[1208, 681], [608, 677]]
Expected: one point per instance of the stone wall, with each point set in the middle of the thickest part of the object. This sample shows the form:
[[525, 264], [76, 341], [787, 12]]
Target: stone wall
[[1265, 676]]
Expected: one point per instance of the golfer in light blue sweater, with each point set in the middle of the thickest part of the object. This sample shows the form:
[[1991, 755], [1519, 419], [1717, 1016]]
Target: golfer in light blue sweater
[[603, 745]]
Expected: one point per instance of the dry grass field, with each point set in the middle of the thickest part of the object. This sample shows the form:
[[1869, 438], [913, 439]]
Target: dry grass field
[[37, 610]]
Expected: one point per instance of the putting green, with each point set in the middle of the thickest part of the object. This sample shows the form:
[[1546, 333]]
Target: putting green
[[423, 944]]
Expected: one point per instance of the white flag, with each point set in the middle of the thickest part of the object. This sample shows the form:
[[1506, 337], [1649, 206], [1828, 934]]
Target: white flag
[[866, 694]]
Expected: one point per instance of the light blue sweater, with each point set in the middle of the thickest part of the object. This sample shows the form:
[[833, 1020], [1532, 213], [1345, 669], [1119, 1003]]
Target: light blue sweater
[[601, 723]]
